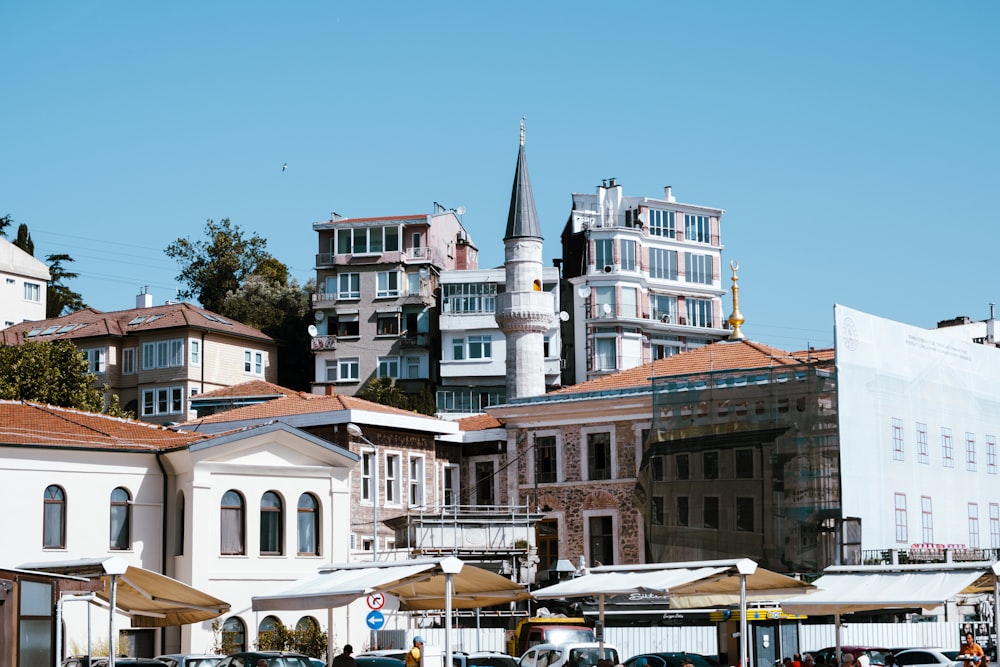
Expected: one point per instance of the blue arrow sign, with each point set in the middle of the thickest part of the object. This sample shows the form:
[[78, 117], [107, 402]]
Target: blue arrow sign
[[375, 619]]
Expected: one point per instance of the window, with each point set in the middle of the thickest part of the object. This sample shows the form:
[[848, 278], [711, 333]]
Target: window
[[699, 312], [744, 515], [926, 520], [601, 540], [897, 439], [268, 630], [234, 634], [628, 255], [697, 228], [348, 285], [661, 223], [32, 292], [480, 347], [121, 519], [271, 521], [663, 307], [710, 465], [973, 525], [682, 467], [253, 362], [923, 449], [900, 505], [163, 354], [470, 297], [683, 510], [54, 518], [599, 455], [388, 284], [947, 451], [367, 240], [233, 524], [603, 258], [606, 353], [485, 483], [195, 354], [450, 485], [95, 359], [348, 370], [991, 454], [412, 368], [656, 468], [994, 526], [387, 325], [656, 511], [630, 302], [367, 467], [392, 479], [416, 481], [970, 452], [388, 367], [162, 401], [710, 512], [698, 268], [604, 301], [743, 459], [545, 459], [458, 348], [662, 264], [348, 326]]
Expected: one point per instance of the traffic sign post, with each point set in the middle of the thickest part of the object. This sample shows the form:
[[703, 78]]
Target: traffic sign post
[[376, 601], [375, 620]]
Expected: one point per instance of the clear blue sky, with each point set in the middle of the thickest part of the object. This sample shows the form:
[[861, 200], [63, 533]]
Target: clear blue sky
[[853, 145]]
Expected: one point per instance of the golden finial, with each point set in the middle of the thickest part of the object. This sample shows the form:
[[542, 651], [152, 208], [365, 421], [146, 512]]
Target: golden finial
[[522, 129], [736, 319]]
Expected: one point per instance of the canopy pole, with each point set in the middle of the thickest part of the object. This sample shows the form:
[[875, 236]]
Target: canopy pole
[[600, 636], [836, 632], [111, 619], [744, 654], [447, 618]]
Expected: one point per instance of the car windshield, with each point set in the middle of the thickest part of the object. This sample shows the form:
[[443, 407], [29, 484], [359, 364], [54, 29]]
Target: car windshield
[[951, 655], [588, 657], [491, 661], [201, 662], [567, 636]]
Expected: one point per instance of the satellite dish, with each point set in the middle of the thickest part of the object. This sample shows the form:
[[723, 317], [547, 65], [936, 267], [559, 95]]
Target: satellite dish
[[583, 291], [424, 272], [461, 210], [563, 315], [606, 308], [319, 315], [313, 331]]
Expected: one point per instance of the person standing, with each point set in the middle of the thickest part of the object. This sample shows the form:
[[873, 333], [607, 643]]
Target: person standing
[[413, 655], [345, 659], [972, 653]]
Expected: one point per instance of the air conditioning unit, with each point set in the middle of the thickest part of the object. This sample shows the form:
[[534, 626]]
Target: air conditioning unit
[[608, 268], [666, 319]]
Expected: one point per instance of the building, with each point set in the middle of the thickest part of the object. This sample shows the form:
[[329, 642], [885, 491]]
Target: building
[[642, 280], [232, 514], [25, 283], [376, 314], [155, 358]]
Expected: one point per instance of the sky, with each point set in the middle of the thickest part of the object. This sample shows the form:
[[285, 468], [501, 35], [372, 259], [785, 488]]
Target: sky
[[852, 145]]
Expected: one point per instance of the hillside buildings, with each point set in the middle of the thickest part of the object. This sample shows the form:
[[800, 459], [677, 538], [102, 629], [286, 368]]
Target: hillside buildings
[[25, 280]]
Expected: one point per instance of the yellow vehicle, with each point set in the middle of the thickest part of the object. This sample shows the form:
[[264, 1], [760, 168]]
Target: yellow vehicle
[[548, 630]]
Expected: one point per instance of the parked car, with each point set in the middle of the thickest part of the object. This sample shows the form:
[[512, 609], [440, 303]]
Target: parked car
[[190, 660], [672, 659], [274, 659], [102, 661], [482, 659], [378, 661], [577, 654], [876, 655], [394, 653], [928, 656]]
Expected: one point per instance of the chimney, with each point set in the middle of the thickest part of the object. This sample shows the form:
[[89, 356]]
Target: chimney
[[144, 299], [668, 194]]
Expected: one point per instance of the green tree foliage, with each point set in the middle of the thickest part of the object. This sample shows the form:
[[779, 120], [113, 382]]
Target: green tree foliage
[[384, 390], [53, 372], [59, 298], [220, 264], [23, 240], [307, 639], [5, 222]]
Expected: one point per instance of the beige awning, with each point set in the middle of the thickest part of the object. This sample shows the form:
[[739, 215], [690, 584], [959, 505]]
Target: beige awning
[[151, 599]]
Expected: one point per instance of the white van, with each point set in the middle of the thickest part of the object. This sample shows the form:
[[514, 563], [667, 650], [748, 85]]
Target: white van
[[585, 654]]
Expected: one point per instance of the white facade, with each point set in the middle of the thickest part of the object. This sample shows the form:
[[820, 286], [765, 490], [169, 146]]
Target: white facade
[[919, 418], [23, 290]]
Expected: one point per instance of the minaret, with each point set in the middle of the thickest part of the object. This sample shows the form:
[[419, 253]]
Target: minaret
[[736, 319], [524, 312]]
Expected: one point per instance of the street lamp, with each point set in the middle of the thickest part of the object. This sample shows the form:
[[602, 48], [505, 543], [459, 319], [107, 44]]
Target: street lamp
[[355, 432]]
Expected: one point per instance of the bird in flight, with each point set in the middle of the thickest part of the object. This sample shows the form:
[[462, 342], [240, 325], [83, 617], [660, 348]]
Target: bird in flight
[[284, 166]]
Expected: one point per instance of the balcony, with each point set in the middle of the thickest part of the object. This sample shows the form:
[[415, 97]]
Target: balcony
[[414, 340], [418, 255], [320, 343]]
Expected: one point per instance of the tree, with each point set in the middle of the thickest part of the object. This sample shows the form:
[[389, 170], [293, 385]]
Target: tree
[[214, 267], [385, 391], [59, 298], [5, 222], [23, 240], [53, 372]]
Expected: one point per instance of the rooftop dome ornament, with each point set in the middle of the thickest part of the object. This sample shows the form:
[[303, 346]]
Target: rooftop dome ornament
[[736, 318]]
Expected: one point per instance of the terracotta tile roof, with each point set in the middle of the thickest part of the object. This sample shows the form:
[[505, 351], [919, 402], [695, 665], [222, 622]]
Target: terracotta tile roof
[[478, 423], [251, 389], [298, 403], [24, 423], [719, 356], [91, 323]]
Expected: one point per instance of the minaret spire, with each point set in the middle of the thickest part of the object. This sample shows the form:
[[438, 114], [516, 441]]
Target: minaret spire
[[736, 319]]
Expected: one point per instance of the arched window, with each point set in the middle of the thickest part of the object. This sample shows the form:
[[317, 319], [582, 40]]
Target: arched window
[[233, 524], [54, 519], [121, 519], [267, 633], [308, 523], [234, 635], [179, 525], [307, 624], [271, 516]]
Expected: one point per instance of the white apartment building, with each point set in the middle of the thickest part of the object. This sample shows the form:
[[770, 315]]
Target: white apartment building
[[25, 280]]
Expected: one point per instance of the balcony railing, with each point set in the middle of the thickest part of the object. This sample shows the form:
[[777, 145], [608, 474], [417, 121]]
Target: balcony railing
[[320, 343], [929, 553]]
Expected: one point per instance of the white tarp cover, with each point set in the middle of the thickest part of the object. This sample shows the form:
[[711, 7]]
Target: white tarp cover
[[689, 585], [419, 584], [852, 591]]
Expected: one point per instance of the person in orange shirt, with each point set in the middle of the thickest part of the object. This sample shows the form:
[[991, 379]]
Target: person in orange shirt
[[972, 653]]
